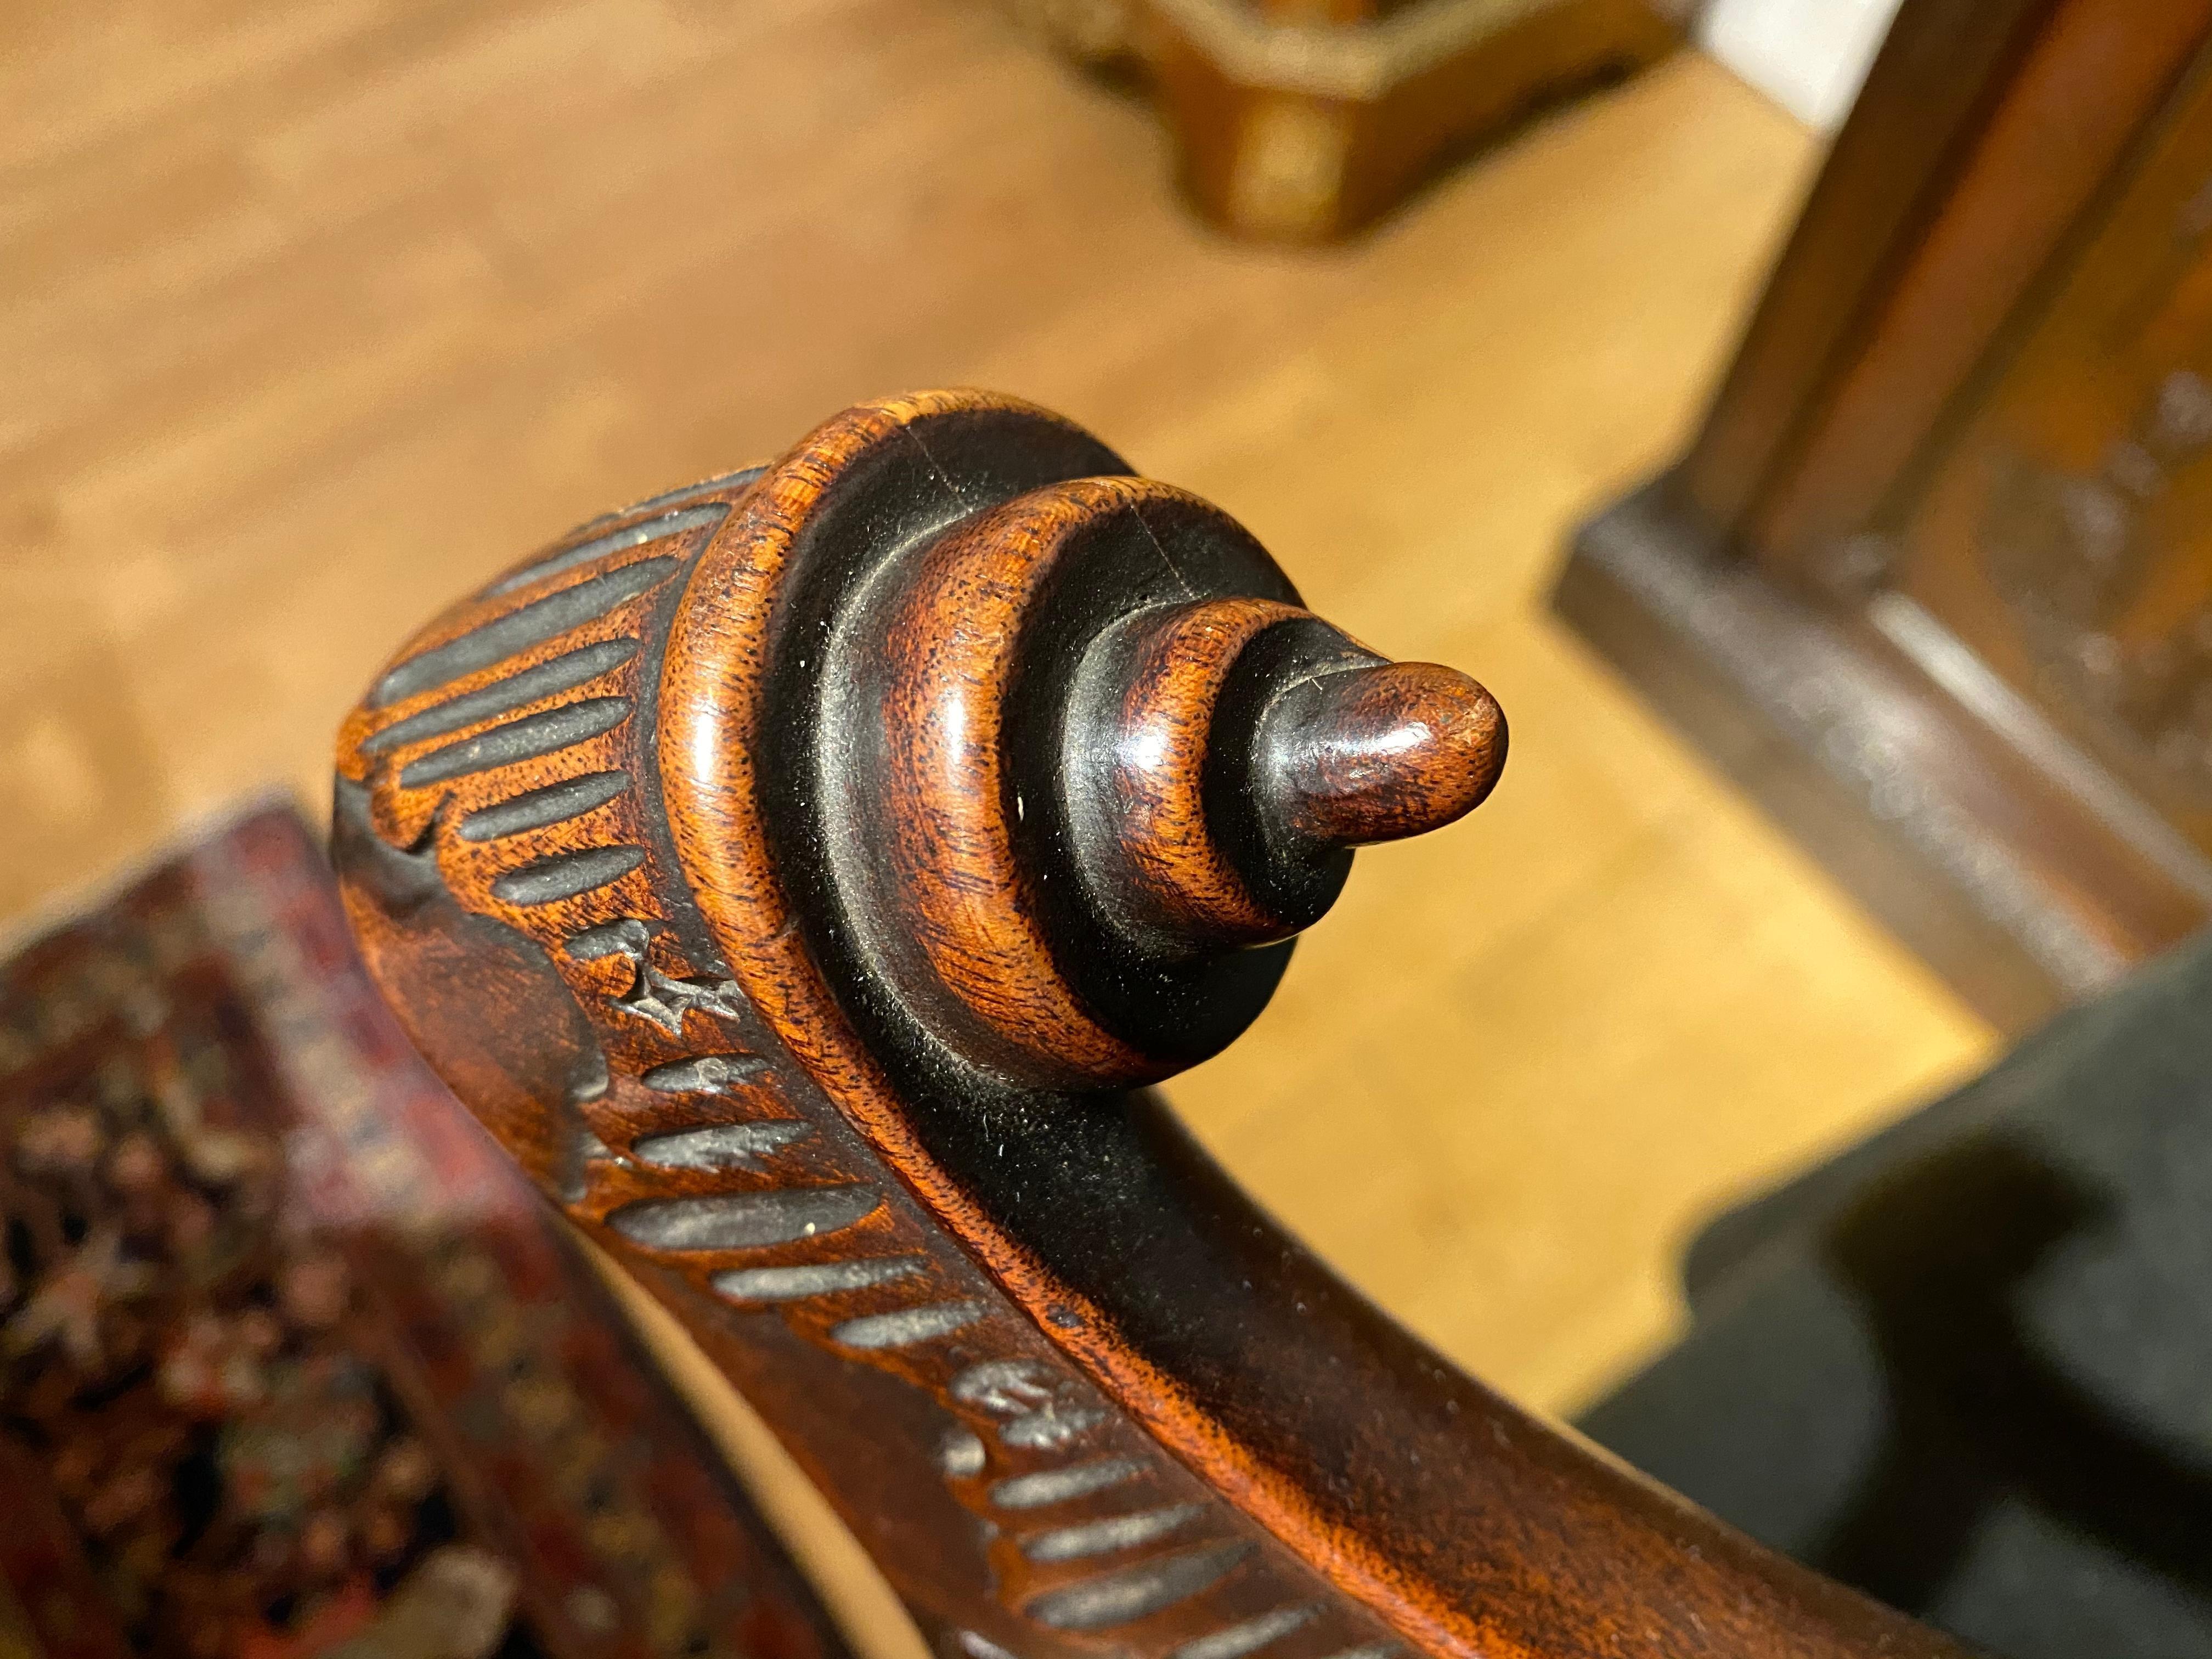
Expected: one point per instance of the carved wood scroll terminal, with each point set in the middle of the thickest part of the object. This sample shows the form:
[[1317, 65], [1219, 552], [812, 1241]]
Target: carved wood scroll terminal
[[802, 874]]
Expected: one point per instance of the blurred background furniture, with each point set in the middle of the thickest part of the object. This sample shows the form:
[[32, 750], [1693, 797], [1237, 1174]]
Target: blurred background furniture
[[1935, 578], [1301, 120]]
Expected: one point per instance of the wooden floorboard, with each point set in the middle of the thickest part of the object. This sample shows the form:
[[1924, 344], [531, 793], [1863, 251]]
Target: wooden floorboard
[[312, 316]]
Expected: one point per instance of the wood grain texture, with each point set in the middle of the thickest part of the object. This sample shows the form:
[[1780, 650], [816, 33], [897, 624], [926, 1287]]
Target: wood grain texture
[[823, 853], [653, 1096], [1381, 753], [314, 318], [1146, 821], [956, 887]]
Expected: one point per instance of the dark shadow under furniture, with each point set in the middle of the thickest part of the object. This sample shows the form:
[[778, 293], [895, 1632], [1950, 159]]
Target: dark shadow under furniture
[[1967, 1366]]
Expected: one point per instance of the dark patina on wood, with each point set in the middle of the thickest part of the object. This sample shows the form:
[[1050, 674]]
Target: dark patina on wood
[[802, 875], [1930, 581]]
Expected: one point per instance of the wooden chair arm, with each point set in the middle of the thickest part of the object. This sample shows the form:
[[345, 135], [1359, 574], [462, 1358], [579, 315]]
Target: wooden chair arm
[[802, 874]]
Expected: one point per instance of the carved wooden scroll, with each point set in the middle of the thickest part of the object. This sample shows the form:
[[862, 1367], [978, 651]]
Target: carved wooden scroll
[[802, 874]]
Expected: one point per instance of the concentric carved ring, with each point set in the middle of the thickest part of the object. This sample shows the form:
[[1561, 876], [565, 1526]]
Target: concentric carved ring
[[794, 870]]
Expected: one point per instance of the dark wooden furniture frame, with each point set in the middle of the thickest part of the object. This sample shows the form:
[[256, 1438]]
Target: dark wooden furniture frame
[[803, 874], [1761, 591], [1306, 120]]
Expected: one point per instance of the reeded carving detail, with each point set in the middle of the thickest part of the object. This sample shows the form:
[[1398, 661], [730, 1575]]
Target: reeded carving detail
[[795, 872], [506, 756]]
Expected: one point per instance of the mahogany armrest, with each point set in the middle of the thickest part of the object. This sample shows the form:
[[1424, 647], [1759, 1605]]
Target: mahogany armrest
[[802, 874]]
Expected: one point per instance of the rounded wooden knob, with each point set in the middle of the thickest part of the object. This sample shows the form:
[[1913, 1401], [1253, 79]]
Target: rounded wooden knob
[[1242, 746], [1080, 765], [1040, 764], [1378, 754]]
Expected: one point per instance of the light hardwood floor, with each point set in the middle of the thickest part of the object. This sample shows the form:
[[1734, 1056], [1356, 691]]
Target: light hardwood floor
[[312, 316]]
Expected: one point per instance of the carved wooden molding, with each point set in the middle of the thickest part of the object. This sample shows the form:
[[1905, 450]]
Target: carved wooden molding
[[801, 873]]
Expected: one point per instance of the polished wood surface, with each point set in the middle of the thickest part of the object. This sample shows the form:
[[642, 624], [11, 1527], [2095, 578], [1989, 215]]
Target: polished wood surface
[[312, 320], [730, 860]]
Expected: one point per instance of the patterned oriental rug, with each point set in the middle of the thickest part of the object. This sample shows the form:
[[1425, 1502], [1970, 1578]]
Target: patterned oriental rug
[[291, 1361]]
